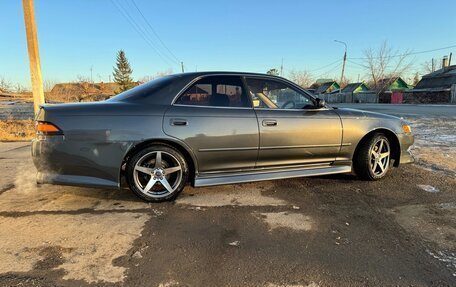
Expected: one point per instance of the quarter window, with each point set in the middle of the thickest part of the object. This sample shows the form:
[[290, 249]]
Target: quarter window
[[216, 92], [277, 95]]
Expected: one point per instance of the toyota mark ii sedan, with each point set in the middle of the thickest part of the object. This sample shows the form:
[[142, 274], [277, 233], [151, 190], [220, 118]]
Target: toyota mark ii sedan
[[211, 128]]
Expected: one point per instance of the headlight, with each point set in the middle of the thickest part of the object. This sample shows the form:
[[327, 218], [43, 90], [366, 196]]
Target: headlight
[[406, 128]]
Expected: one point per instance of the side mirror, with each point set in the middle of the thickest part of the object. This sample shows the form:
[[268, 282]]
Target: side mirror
[[321, 103]]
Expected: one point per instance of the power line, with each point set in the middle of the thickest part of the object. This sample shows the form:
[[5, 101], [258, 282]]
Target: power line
[[155, 33], [138, 29], [145, 34], [409, 54], [145, 31], [358, 64], [330, 71], [325, 66]]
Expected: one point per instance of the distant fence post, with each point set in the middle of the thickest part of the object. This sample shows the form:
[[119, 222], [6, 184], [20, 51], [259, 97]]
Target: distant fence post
[[453, 94]]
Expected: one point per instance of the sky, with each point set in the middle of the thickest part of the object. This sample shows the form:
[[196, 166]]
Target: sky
[[81, 38]]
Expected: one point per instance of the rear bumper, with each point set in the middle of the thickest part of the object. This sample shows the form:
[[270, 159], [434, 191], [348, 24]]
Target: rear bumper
[[406, 141], [76, 163]]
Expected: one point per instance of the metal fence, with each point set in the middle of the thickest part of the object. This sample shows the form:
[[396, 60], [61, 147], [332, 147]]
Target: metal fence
[[16, 111], [363, 97]]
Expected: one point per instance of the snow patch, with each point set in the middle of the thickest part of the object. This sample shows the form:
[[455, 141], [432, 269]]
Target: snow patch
[[295, 221], [428, 188], [229, 195], [449, 258]]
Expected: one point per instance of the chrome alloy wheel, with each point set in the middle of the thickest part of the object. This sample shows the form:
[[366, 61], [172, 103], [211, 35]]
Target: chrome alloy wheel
[[380, 157], [157, 174]]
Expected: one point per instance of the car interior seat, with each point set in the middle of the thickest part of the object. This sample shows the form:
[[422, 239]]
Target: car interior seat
[[219, 100]]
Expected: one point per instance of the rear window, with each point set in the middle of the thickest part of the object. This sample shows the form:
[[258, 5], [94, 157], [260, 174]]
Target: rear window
[[144, 90]]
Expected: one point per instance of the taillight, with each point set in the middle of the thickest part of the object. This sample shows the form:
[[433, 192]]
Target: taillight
[[47, 128]]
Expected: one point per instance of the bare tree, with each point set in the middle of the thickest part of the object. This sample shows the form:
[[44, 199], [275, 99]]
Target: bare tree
[[20, 89], [416, 79], [76, 91], [48, 85], [428, 67], [302, 78], [273, 71], [5, 85], [385, 63], [158, 74], [345, 81], [82, 79]]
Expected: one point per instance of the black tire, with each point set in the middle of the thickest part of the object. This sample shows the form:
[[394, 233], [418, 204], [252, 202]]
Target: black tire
[[139, 180], [364, 163]]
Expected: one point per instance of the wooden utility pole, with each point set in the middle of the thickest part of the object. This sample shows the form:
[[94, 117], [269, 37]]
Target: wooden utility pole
[[182, 67], [34, 55], [343, 63], [281, 68]]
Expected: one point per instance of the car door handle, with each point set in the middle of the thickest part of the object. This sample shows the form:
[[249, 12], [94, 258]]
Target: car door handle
[[179, 122], [269, 123]]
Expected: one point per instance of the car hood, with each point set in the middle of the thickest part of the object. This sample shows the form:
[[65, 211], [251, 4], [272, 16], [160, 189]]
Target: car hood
[[355, 113]]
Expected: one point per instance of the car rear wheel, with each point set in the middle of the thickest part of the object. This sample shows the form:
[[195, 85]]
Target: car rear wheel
[[157, 173], [372, 161]]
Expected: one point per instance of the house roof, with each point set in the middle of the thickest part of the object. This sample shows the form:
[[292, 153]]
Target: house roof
[[350, 88], [323, 81], [442, 78], [325, 86], [386, 81], [385, 84], [85, 88]]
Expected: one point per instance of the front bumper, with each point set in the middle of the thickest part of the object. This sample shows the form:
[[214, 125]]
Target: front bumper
[[406, 141]]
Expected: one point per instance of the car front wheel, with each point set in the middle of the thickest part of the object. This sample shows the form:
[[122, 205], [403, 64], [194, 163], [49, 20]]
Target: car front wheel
[[373, 158], [157, 173]]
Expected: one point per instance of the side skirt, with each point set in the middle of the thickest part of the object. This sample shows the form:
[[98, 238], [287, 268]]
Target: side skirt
[[208, 180]]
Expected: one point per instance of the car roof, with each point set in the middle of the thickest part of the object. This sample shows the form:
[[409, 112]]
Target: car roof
[[225, 73]]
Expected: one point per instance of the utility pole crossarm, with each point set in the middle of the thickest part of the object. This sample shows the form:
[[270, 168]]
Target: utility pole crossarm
[[34, 55]]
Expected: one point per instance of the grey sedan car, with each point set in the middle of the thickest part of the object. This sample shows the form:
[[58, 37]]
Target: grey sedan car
[[211, 128]]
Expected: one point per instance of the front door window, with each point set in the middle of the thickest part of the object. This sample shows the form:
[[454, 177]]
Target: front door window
[[277, 95]]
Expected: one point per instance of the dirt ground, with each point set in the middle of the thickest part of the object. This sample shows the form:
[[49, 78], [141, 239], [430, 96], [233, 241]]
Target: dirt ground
[[322, 231]]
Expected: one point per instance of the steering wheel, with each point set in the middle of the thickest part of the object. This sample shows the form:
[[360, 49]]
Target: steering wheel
[[287, 103]]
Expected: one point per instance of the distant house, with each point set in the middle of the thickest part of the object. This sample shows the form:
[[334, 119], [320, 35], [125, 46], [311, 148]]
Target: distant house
[[392, 84], [435, 87], [77, 92], [196, 94], [438, 80], [320, 82], [355, 88], [326, 88], [311, 91]]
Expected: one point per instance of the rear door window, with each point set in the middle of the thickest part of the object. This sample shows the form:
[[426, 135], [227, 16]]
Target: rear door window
[[216, 91]]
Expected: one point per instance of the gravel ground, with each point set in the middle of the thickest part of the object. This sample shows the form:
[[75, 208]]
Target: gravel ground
[[322, 231]]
